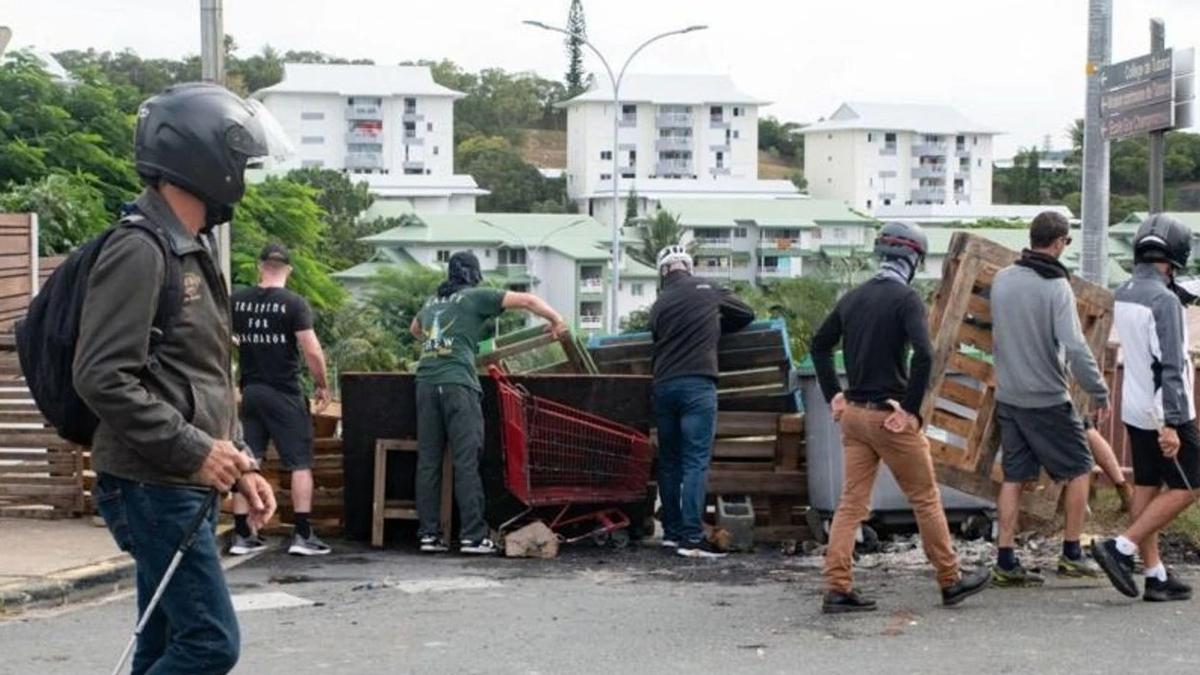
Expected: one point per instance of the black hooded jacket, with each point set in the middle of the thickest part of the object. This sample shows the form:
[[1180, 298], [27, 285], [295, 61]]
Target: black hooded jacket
[[686, 322]]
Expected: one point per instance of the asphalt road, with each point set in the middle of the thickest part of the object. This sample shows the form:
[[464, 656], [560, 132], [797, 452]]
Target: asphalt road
[[635, 611]]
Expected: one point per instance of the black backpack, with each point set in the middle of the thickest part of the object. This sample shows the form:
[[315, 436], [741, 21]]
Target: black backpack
[[47, 335]]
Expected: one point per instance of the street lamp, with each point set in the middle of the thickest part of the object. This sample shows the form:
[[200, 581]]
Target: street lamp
[[529, 253], [616, 86]]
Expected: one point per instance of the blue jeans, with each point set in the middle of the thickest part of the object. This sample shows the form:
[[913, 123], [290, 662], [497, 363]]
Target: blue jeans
[[686, 411], [193, 628]]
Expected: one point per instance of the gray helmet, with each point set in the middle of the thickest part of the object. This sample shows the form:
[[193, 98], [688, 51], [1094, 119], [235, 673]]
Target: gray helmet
[[1161, 238], [902, 240]]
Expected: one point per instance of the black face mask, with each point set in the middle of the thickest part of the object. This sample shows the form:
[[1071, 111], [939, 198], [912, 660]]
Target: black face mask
[[216, 214], [462, 272]]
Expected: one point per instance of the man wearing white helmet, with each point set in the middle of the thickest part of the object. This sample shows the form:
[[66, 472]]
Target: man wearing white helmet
[[686, 322]]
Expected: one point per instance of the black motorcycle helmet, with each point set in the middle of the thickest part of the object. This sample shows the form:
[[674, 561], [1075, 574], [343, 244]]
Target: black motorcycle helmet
[[1161, 238], [199, 137], [904, 241]]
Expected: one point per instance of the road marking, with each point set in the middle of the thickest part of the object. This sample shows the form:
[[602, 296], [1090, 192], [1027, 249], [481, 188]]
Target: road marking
[[249, 602], [445, 584]]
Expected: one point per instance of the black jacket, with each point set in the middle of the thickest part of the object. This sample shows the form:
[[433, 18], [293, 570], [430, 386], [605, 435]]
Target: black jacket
[[686, 322]]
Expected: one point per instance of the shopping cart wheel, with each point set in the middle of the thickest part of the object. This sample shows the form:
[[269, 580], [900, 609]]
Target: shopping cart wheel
[[619, 538], [601, 538]]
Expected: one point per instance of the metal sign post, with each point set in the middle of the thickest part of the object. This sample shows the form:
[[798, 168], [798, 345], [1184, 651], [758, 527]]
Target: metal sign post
[[1094, 261], [1158, 139]]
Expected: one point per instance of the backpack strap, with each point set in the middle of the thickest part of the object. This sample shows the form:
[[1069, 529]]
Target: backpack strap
[[170, 298]]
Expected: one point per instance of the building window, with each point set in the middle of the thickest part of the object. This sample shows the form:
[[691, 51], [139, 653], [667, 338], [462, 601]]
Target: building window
[[312, 164], [889, 138], [739, 232], [312, 140], [979, 163], [737, 134], [887, 202], [312, 115], [716, 112], [737, 112], [870, 182], [443, 255], [606, 154], [868, 203], [487, 253], [410, 106], [606, 176], [629, 110], [637, 290], [870, 137], [510, 256], [831, 158], [429, 126], [974, 140], [720, 159], [960, 140], [829, 137], [410, 129], [435, 149]]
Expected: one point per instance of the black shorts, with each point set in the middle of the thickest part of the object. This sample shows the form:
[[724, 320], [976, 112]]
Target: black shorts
[[1151, 469], [269, 414], [1050, 438]]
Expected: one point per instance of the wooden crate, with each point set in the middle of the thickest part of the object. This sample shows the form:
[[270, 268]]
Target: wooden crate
[[565, 354], [960, 404]]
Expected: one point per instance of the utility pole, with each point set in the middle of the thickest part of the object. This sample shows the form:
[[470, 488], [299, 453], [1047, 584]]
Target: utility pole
[[1158, 44], [212, 69], [1095, 147]]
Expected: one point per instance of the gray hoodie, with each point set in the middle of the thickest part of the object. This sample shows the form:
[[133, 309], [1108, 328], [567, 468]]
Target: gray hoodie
[[1035, 334]]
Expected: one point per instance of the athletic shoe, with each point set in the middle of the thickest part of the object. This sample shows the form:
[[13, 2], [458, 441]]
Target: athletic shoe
[[1118, 566], [699, 549], [1166, 591], [480, 547], [669, 543], [247, 545], [310, 546], [1077, 569], [1017, 577], [837, 602], [432, 544], [966, 586]]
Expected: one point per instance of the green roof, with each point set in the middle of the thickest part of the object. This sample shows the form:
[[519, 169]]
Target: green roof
[[1129, 226], [508, 277], [1017, 239], [573, 235], [633, 269], [363, 271], [787, 213]]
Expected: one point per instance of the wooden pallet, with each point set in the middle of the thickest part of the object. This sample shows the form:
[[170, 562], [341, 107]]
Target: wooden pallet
[[534, 350], [960, 404]]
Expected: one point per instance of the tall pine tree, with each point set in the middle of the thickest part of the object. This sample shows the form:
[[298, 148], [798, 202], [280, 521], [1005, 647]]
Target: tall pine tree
[[576, 77]]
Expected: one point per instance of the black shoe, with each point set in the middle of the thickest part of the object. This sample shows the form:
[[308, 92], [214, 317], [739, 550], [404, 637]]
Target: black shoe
[[700, 549], [1166, 591], [837, 602], [966, 586], [1118, 566]]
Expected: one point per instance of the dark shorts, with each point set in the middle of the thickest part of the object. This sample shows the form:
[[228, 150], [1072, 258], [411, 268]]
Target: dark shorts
[[270, 415], [1151, 469], [1042, 438]]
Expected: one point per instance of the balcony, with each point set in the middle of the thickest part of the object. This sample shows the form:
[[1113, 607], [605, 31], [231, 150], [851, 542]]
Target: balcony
[[414, 164], [627, 121], [929, 171], [720, 171], [713, 272], [673, 120], [887, 195], [412, 116], [591, 322], [713, 242], [963, 169], [673, 168], [929, 194], [718, 123], [591, 286], [627, 170], [780, 244], [413, 140], [962, 197], [361, 137], [719, 147], [962, 150], [888, 150], [364, 160], [669, 143], [364, 111], [929, 149], [773, 273]]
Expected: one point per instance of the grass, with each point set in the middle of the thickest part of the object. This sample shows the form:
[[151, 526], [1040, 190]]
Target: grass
[[1107, 517]]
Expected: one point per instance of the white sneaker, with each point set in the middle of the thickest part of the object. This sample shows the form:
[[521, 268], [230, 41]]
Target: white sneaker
[[669, 543], [481, 547], [311, 546], [700, 549], [247, 545], [432, 544]]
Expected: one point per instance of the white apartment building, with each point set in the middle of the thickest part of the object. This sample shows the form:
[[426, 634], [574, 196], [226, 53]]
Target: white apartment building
[[392, 126], [873, 155], [678, 136]]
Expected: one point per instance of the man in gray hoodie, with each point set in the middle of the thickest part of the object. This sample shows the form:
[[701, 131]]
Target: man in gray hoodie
[[1036, 334]]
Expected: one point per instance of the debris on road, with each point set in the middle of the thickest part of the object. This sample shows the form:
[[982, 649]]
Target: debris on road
[[535, 540]]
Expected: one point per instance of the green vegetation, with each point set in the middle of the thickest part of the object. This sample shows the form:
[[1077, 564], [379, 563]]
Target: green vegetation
[[802, 303], [576, 77], [658, 232]]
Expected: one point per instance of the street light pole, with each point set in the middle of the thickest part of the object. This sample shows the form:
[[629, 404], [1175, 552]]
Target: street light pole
[[611, 318]]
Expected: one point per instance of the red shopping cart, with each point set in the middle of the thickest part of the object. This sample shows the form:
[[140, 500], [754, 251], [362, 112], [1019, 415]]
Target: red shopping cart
[[558, 456]]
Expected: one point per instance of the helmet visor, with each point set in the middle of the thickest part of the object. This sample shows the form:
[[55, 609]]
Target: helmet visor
[[261, 137]]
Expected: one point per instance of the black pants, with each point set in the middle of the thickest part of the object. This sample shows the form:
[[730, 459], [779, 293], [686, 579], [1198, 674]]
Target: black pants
[[449, 414]]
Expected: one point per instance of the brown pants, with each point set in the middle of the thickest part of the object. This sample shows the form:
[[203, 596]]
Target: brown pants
[[907, 455]]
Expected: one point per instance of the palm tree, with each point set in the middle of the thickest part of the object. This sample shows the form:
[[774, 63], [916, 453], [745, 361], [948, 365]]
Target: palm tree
[[659, 232]]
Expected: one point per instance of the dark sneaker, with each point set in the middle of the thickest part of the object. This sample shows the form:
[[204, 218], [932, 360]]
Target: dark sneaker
[[1077, 569], [310, 546], [1117, 566], [699, 549], [432, 544], [481, 547], [1017, 577], [247, 545], [968, 585], [837, 602], [1166, 591]]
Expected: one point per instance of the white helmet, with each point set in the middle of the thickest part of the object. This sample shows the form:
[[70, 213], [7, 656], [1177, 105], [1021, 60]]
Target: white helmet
[[671, 255]]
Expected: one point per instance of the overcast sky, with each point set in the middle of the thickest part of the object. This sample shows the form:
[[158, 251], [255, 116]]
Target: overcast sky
[[1015, 65]]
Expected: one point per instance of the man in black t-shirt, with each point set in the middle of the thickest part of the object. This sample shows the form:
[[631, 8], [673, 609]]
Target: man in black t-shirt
[[272, 325]]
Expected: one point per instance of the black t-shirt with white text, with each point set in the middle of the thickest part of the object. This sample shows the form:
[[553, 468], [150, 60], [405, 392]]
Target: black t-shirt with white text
[[265, 323]]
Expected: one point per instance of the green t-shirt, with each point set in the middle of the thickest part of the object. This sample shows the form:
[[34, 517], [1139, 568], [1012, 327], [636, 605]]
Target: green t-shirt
[[452, 328]]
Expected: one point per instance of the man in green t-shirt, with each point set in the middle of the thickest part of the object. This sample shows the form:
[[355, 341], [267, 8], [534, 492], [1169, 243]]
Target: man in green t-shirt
[[450, 326]]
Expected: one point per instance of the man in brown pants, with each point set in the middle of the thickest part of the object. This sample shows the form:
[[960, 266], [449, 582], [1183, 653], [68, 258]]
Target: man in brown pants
[[877, 322]]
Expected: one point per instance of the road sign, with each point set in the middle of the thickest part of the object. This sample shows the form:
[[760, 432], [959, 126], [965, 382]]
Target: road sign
[[1153, 92], [1135, 70], [1141, 120], [1148, 92]]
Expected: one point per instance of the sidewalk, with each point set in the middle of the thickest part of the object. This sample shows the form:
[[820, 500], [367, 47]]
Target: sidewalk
[[52, 562]]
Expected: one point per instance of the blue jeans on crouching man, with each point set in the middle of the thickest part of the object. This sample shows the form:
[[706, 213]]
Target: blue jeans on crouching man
[[686, 412], [193, 629]]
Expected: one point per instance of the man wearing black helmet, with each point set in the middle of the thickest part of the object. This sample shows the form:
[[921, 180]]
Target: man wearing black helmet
[[449, 327], [164, 396], [879, 411], [1157, 407], [1036, 334]]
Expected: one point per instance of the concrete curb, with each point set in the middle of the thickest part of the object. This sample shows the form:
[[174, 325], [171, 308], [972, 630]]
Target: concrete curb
[[78, 584]]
